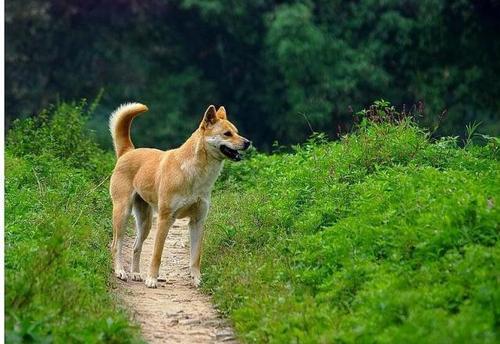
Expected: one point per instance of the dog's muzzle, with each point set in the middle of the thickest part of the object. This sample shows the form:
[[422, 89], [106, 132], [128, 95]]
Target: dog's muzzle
[[233, 154], [230, 153]]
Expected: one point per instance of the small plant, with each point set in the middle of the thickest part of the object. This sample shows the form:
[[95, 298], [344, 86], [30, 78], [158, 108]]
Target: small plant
[[383, 112], [471, 130]]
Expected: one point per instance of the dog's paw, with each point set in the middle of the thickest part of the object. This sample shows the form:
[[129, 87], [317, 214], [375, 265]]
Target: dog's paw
[[196, 276], [151, 282], [121, 274], [136, 276], [196, 281]]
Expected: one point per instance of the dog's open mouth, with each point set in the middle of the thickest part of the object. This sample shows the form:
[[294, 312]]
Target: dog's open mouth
[[230, 153]]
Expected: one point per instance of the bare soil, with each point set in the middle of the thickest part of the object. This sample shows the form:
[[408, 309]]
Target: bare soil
[[175, 312]]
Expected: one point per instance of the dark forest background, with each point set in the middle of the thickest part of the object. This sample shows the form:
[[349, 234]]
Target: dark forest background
[[279, 67]]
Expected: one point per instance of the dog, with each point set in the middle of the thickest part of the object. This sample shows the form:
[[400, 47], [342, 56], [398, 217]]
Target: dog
[[174, 184]]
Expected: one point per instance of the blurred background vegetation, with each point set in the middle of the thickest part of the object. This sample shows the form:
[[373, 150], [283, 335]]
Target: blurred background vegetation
[[280, 67]]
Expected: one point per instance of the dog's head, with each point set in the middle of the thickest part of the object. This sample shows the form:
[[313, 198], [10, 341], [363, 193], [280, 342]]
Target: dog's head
[[220, 136]]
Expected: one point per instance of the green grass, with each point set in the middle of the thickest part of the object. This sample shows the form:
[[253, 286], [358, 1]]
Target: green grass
[[383, 237], [57, 262]]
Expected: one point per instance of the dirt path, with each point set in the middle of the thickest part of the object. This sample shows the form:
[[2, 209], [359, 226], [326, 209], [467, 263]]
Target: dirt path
[[175, 312]]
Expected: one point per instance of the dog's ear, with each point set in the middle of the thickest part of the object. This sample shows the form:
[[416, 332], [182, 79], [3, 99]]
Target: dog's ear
[[209, 118], [221, 113]]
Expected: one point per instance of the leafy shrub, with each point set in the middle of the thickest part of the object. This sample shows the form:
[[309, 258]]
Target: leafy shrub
[[384, 236], [61, 133], [57, 262]]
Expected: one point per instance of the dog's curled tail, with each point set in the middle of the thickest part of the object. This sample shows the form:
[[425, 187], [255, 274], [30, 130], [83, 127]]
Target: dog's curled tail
[[119, 126]]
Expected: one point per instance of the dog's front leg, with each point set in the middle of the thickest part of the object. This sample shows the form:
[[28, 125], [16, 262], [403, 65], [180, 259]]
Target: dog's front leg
[[165, 221], [196, 235]]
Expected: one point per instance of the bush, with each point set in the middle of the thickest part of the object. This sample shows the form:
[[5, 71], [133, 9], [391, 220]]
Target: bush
[[384, 236], [57, 261], [61, 133]]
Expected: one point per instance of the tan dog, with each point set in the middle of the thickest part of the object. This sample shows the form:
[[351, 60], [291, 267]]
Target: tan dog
[[176, 183]]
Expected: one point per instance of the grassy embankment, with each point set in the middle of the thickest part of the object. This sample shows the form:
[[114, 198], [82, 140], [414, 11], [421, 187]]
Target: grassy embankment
[[57, 215], [382, 237], [385, 236]]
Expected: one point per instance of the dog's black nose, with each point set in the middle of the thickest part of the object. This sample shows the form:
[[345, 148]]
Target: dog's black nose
[[247, 143]]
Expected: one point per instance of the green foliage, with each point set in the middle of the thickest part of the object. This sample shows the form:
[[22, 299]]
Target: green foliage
[[57, 261], [270, 63], [383, 237], [60, 133]]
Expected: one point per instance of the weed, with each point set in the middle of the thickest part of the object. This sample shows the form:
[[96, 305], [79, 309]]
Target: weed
[[471, 130]]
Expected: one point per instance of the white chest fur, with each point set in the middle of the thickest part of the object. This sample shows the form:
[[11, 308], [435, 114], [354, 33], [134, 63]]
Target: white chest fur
[[200, 181]]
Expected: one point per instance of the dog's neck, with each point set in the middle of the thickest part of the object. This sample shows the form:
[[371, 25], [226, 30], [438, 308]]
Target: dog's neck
[[198, 161]]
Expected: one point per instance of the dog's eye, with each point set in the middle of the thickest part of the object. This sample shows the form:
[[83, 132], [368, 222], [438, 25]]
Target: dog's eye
[[228, 133]]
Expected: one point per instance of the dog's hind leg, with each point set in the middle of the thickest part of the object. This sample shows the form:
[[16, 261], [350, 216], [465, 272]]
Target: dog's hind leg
[[143, 219], [121, 211]]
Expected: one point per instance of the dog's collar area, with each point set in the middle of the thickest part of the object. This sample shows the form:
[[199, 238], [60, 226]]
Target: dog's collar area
[[230, 153]]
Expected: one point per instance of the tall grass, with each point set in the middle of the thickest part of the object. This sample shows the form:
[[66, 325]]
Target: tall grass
[[385, 236], [57, 263]]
